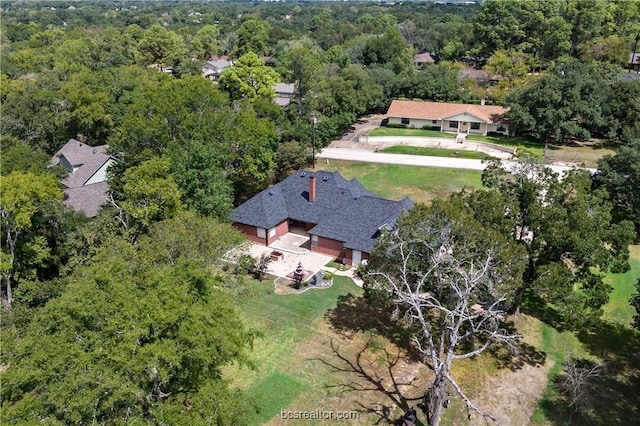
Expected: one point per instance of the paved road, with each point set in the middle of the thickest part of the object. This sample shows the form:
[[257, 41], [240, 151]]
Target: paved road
[[413, 160]]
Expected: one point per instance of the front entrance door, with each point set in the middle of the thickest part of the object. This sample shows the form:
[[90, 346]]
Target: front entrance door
[[357, 257], [464, 127]]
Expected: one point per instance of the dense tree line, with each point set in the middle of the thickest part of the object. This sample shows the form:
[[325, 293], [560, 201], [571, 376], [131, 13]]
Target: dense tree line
[[128, 75]]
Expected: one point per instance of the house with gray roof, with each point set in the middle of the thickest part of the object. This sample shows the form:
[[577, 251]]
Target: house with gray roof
[[340, 217], [213, 68], [85, 184], [284, 93]]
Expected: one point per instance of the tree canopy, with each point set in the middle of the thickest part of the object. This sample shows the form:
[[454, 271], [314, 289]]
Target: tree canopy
[[449, 278], [150, 347], [569, 235]]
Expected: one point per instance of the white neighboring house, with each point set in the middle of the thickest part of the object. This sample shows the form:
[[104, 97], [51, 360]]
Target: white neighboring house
[[448, 117], [85, 186], [213, 68], [284, 93]]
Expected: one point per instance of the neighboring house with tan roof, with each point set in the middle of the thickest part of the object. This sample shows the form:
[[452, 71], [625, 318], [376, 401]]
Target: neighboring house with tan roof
[[425, 58], [480, 76], [85, 186], [459, 118]]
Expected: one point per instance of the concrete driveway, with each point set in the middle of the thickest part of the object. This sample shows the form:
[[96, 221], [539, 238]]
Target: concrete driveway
[[418, 160], [362, 128]]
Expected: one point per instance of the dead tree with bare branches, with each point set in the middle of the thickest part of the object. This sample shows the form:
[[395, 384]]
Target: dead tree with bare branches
[[577, 383], [450, 281]]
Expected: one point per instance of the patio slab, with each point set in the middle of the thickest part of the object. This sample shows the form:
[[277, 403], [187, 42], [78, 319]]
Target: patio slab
[[292, 243], [311, 261]]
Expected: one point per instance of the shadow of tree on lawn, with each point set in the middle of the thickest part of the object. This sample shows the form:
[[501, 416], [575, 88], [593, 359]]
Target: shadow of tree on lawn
[[361, 314], [612, 397], [355, 314], [368, 375]]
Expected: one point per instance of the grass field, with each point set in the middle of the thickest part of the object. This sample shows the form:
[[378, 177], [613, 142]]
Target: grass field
[[332, 350], [618, 309], [587, 153], [421, 184], [390, 131], [284, 321], [614, 341], [436, 152], [327, 350]]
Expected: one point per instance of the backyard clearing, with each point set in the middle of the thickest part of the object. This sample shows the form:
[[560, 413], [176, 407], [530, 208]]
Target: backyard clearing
[[393, 181], [332, 351]]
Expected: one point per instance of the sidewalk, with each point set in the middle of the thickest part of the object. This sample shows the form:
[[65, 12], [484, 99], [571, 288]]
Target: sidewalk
[[351, 273]]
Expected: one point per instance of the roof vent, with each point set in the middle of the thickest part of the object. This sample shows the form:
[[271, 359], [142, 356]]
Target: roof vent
[[326, 178], [303, 174], [270, 192]]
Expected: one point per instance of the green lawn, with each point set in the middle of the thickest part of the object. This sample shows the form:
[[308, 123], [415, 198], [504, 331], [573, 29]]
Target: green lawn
[[618, 309], [520, 144], [390, 131], [284, 321], [586, 153], [421, 184], [436, 152], [615, 334]]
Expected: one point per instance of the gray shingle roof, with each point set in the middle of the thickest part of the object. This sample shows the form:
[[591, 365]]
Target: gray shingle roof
[[87, 199], [85, 159], [343, 210]]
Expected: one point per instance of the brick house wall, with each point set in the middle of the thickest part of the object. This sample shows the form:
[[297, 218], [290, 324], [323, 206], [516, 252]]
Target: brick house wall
[[281, 229], [328, 246], [251, 233]]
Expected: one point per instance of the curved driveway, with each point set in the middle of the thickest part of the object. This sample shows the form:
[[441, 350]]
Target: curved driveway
[[415, 160]]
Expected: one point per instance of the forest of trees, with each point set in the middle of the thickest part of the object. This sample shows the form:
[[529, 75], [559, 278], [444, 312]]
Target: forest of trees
[[149, 266]]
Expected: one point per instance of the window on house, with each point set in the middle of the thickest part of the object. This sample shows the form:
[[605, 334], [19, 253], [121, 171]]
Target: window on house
[[272, 232], [453, 124], [501, 129], [262, 233], [404, 120], [434, 121], [475, 126], [314, 240]]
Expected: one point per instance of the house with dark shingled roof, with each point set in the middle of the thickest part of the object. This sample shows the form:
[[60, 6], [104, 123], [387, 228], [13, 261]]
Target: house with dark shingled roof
[[85, 185], [341, 217]]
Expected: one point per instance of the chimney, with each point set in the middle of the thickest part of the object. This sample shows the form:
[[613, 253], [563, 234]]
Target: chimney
[[312, 188]]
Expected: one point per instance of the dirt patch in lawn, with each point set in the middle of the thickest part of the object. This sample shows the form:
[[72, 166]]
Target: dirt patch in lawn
[[362, 377], [360, 367], [512, 396]]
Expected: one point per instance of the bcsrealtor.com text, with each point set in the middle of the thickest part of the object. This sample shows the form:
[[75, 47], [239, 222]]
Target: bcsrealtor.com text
[[318, 415]]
